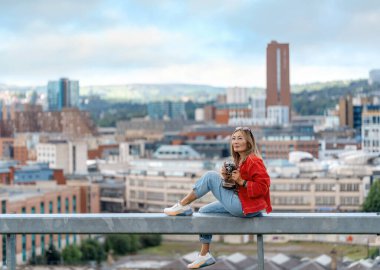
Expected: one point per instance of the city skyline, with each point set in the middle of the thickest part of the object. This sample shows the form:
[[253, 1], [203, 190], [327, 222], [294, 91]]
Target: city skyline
[[191, 42]]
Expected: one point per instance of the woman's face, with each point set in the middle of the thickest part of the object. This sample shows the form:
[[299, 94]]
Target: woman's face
[[238, 141]]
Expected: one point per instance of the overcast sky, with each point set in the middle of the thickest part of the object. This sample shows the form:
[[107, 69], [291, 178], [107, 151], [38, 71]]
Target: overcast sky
[[220, 43]]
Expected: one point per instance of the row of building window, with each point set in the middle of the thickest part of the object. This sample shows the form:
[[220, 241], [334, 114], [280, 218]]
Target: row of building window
[[159, 184], [371, 119], [67, 205], [286, 147], [319, 200], [277, 200], [112, 193], [42, 211], [290, 187], [373, 131], [344, 187], [375, 143]]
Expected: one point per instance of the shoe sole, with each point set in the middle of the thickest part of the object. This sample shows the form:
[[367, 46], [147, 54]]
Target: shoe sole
[[185, 213], [205, 264]]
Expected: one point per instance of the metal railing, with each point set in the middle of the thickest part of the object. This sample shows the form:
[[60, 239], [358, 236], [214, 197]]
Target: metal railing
[[276, 223]]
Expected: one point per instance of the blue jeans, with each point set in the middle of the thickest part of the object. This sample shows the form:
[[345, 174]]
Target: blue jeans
[[227, 200]]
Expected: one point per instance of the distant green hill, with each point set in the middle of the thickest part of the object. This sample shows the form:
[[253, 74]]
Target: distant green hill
[[154, 92], [307, 99], [297, 88], [315, 99], [201, 93]]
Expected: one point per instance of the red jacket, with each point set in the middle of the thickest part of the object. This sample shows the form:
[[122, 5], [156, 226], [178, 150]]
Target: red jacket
[[255, 197]]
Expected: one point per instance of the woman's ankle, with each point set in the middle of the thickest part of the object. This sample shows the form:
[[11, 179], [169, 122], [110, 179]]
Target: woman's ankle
[[183, 203], [204, 253], [204, 249], [189, 198]]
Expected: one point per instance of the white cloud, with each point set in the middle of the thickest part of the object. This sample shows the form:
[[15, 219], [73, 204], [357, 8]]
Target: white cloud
[[308, 74], [217, 73], [112, 48], [213, 42]]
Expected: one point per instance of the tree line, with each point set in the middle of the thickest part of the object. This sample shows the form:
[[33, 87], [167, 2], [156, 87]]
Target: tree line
[[93, 250], [317, 102]]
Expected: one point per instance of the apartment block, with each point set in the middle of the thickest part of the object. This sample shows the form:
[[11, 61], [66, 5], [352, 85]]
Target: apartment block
[[323, 194], [371, 130], [151, 191], [36, 200]]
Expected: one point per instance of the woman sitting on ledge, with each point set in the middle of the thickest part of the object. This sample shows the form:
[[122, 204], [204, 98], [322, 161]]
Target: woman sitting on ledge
[[248, 196]]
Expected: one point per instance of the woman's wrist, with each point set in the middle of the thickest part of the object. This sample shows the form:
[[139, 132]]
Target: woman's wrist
[[242, 182]]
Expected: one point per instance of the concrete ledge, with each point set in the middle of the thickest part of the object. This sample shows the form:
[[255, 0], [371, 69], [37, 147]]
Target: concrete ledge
[[284, 223]]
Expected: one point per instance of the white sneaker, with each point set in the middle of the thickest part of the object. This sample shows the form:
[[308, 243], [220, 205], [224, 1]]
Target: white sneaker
[[202, 261], [179, 210]]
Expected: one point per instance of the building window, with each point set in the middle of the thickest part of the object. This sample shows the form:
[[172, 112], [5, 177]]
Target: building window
[[351, 201], [50, 207], [4, 211], [325, 187], [349, 187], [67, 209], [23, 239], [59, 204], [74, 204], [51, 212], [320, 201], [33, 211]]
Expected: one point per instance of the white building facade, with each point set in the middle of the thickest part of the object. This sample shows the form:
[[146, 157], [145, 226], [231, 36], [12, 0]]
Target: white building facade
[[71, 157], [237, 95], [278, 115], [371, 131], [374, 76]]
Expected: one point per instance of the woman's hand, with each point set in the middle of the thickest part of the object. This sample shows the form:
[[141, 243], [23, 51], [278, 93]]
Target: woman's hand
[[237, 178], [223, 173]]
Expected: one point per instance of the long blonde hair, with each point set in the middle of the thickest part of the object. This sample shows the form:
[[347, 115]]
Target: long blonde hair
[[251, 145]]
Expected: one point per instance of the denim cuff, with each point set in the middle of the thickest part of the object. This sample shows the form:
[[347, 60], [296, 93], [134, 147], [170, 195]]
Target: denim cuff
[[204, 240], [196, 191]]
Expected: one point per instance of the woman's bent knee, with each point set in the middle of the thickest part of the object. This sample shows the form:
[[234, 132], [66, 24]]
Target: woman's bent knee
[[211, 174]]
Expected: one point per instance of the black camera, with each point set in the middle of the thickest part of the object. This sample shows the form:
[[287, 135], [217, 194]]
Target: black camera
[[228, 183]]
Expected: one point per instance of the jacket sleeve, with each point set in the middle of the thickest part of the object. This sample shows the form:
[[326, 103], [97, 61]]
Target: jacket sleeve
[[259, 182]]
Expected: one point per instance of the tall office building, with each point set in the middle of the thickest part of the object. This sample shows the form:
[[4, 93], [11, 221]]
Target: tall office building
[[346, 114], [278, 83], [62, 94]]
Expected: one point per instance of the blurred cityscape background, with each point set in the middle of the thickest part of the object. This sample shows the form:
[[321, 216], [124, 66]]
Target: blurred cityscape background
[[117, 107]]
